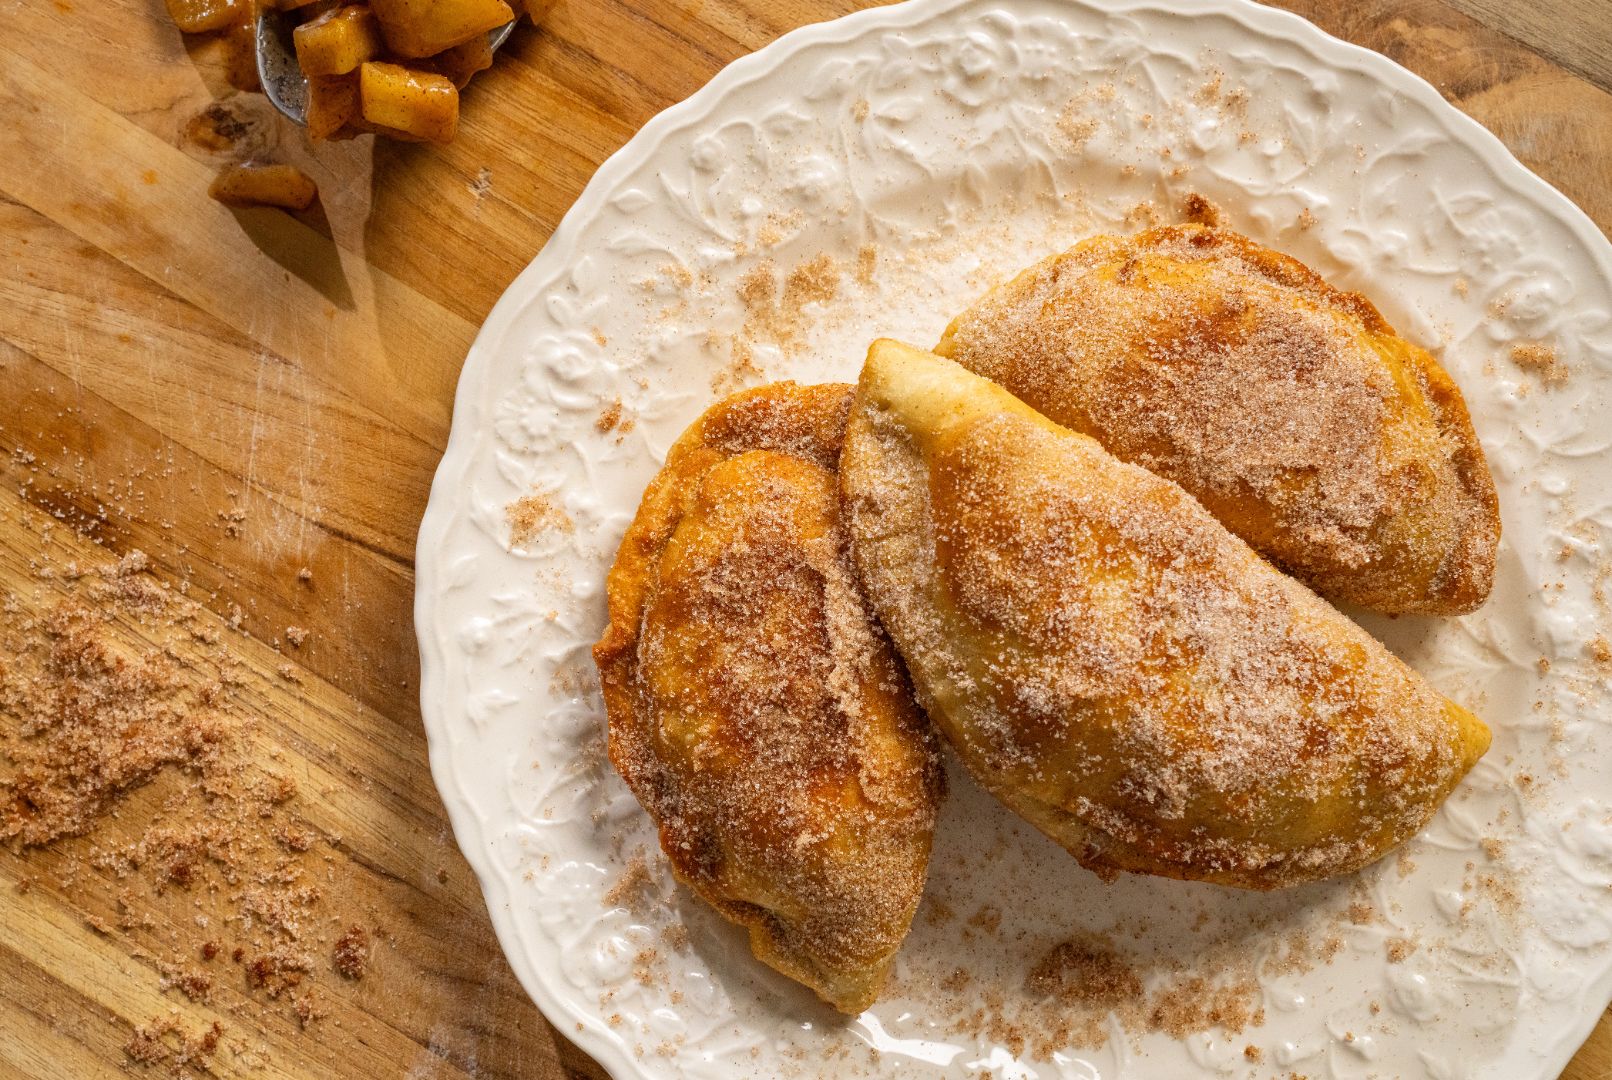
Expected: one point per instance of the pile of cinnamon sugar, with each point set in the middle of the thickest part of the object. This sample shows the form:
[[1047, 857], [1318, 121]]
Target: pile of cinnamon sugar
[[119, 700]]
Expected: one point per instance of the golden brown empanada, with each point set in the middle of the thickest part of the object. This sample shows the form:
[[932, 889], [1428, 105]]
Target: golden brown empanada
[[1116, 666], [1291, 410], [756, 709]]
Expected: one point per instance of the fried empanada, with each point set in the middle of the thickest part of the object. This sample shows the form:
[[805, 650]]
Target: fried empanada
[[1290, 409], [1112, 663], [756, 708]]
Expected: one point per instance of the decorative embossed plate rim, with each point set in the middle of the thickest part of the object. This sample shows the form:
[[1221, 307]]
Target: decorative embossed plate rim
[[457, 768]]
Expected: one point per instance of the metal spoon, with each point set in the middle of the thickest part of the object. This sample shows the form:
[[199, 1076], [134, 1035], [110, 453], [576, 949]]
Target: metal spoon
[[283, 82]]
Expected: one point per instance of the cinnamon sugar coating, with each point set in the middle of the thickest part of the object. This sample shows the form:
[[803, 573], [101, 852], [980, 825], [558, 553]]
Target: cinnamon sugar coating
[[1116, 666], [1289, 408], [757, 710]]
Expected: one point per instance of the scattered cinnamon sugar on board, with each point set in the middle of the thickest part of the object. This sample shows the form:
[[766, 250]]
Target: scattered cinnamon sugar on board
[[92, 723], [120, 699], [307, 1010], [164, 1042]]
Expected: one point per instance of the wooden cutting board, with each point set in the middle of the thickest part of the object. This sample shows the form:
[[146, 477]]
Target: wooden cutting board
[[257, 403]]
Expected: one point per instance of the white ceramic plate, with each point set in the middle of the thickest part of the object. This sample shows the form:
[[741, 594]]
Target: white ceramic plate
[[907, 158]]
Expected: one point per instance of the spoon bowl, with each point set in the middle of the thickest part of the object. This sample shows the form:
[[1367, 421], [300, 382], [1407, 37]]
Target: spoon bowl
[[283, 82]]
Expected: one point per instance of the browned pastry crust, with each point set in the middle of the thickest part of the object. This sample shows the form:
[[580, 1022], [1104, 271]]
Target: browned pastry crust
[[1289, 408], [1112, 663], [756, 709]]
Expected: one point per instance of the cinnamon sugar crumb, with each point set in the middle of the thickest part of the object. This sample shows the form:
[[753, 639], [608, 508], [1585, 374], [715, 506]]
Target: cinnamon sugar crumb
[[1085, 972], [533, 515], [1306, 219], [307, 1010], [609, 418], [1143, 214], [740, 370], [1400, 949], [1196, 1004], [779, 316], [1076, 130], [164, 1042], [867, 263], [1539, 359], [351, 953], [633, 889], [194, 984], [815, 281], [1200, 211], [277, 970], [1600, 650]]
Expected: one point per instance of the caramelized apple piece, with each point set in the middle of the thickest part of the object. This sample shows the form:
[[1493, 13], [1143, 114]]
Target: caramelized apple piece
[[416, 28], [285, 186], [201, 16], [338, 41], [332, 104], [421, 103], [461, 62]]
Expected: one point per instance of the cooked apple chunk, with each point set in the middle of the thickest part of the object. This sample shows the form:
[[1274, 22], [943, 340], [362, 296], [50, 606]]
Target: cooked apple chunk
[[416, 28], [200, 16], [337, 41], [419, 103], [332, 104], [284, 186], [463, 61]]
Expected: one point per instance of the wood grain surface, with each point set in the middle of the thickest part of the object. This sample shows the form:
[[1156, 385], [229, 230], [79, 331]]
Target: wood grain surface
[[244, 395]]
